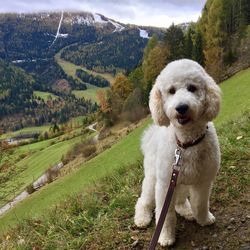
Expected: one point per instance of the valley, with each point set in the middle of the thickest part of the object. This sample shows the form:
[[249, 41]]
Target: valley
[[70, 69], [49, 36]]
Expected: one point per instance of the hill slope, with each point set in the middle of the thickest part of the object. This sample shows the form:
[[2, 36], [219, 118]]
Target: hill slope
[[102, 217], [16, 89], [125, 153]]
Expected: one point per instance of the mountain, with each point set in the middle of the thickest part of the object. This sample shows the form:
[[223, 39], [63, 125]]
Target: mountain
[[31, 41], [29, 37], [16, 89]]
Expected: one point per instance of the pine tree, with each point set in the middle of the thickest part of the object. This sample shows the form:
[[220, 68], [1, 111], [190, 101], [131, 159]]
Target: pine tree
[[188, 51], [174, 40], [197, 53]]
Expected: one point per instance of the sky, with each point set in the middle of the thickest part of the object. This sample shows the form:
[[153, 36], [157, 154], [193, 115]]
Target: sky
[[159, 13]]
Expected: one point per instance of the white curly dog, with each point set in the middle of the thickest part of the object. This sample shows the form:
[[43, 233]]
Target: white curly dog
[[182, 102]]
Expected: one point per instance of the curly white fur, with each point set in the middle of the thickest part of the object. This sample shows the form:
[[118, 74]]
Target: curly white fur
[[199, 163]]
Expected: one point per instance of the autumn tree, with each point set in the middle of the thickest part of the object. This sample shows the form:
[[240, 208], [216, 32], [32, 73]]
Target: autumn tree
[[122, 86], [153, 65], [102, 100], [214, 37]]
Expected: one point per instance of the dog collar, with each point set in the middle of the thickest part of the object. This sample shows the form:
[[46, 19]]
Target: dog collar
[[190, 143]]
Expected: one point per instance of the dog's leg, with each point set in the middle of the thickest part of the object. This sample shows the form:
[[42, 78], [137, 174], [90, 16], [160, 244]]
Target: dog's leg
[[182, 204], [167, 236], [145, 204], [199, 197]]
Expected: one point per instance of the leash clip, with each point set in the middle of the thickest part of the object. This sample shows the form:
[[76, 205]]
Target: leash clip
[[177, 156]]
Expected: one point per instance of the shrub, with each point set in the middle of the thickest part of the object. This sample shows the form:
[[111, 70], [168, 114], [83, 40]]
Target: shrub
[[30, 189], [89, 150]]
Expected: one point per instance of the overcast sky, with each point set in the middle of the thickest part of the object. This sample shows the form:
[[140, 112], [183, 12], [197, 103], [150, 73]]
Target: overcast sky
[[159, 13]]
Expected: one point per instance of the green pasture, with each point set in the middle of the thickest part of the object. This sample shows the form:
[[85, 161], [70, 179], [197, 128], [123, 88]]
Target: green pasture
[[45, 95], [70, 69], [38, 129]]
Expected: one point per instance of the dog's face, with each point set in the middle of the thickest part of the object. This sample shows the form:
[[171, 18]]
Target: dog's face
[[183, 102], [184, 94]]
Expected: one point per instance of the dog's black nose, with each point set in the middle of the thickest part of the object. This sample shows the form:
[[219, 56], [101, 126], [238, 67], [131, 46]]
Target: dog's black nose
[[182, 109]]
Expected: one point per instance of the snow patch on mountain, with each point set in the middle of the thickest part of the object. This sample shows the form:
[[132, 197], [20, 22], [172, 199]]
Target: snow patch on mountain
[[143, 33], [58, 30], [98, 18], [63, 35], [118, 27]]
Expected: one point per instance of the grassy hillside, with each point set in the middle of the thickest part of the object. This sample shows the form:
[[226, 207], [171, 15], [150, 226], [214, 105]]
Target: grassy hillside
[[236, 96], [125, 153], [102, 216], [45, 95], [70, 69], [38, 129], [46, 154]]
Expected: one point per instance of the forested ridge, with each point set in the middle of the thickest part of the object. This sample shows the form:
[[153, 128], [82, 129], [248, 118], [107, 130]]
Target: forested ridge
[[114, 53], [19, 107]]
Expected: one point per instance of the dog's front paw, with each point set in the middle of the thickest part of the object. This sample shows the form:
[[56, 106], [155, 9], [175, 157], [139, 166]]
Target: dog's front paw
[[143, 215], [208, 221], [166, 240]]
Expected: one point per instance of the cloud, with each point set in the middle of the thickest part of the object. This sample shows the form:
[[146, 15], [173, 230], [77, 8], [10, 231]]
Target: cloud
[[142, 12]]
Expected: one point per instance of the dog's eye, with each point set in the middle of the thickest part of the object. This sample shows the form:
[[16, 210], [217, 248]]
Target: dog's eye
[[172, 91], [191, 88]]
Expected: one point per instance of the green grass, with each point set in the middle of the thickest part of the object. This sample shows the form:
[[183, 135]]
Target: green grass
[[70, 69], [38, 129], [45, 95], [102, 216], [124, 153], [236, 96], [86, 94], [37, 163]]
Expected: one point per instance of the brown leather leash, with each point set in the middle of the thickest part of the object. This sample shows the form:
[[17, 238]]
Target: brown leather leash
[[172, 185], [164, 211]]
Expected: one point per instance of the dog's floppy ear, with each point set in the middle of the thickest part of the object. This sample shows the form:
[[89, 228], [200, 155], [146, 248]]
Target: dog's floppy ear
[[213, 99], [156, 107]]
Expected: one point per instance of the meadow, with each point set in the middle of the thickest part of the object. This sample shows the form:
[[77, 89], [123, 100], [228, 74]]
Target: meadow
[[70, 69]]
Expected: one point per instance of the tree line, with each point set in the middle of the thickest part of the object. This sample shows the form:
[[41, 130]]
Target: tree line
[[98, 80], [116, 52], [20, 108], [219, 41]]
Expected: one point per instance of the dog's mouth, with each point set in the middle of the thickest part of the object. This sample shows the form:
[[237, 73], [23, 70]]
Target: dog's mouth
[[183, 119]]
